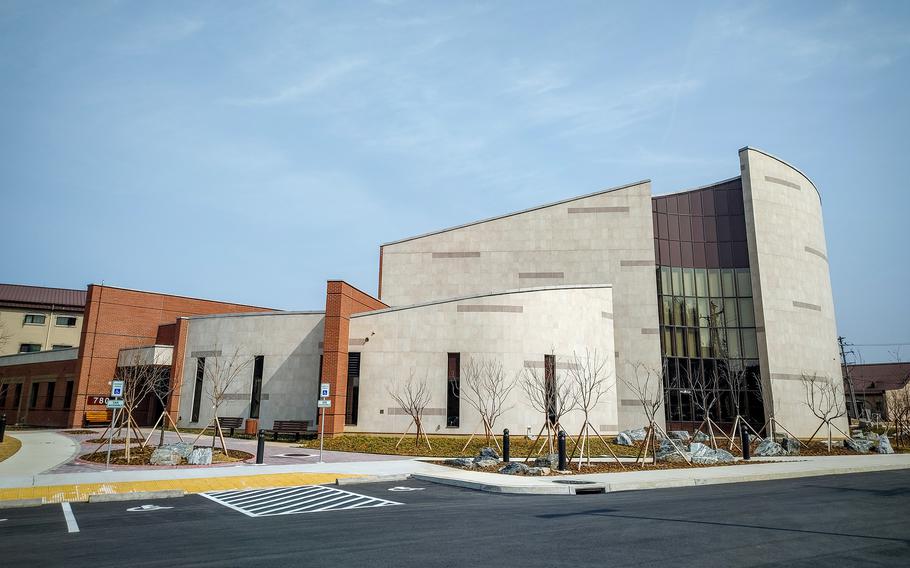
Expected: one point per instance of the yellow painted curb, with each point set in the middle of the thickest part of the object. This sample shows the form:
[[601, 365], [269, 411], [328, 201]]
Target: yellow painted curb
[[81, 492]]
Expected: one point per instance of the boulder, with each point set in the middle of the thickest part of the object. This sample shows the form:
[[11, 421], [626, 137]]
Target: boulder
[[790, 445], [488, 454], [182, 448], [514, 468], [858, 445], [700, 437], [200, 456], [704, 455], [668, 450], [884, 445], [769, 448], [624, 439], [538, 471], [723, 456], [637, 434], [680, 435], [551, 461], [485, 463], [460, 462], [165, 455]]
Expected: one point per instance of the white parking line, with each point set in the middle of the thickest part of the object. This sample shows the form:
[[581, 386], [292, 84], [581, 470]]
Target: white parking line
[[71, 524], [294, 500]]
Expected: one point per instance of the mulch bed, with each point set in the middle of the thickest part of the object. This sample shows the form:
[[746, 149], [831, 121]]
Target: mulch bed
[[114, 441], [140, 456], [610, 467], [78, 432]]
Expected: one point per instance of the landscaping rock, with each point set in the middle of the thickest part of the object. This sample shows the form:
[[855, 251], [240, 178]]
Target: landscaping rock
[[790, 445], [183, 448], [485, 463], [165, 455], [200, 456], [514, 468], [538, 471], [667, 452], [700, 437], [858, 445], [488, 454], [681, 435], [704, 455], [623, 439], [460, 462], [769, 448], [637, 434], [551, 461], [884, 445]]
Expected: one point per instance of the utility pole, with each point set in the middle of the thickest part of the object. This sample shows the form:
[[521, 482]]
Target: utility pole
[[841, 341]]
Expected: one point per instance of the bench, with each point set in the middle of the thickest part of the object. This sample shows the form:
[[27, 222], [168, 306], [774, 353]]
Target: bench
[[295, 427], [96, 418], [230, 423]]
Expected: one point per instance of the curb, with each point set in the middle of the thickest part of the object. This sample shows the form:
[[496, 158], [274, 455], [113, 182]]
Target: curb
[[20, 503], [551, 489], [113, 497], [372, 479]]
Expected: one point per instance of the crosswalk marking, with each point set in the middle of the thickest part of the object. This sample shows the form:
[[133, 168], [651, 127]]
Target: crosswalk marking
[[294, 500]]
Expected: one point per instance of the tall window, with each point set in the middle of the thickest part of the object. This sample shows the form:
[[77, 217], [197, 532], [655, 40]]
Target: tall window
[[453, 386], [33, 396], [68, 395], [49, 395], [256, 396], [549, 373], [197, 390], [353, 393], [18, 398], [3, 390]]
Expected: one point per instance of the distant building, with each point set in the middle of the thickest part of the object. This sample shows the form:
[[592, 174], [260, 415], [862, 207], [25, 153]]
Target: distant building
[[33, 318], [872, 383]]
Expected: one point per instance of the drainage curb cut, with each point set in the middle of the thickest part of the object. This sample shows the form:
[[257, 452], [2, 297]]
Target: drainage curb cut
[[19, 503], [111, 497], [372, 479]]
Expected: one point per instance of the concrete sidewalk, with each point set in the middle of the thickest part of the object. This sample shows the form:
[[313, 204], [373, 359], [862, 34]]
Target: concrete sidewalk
[[41, 451], [763, 469]]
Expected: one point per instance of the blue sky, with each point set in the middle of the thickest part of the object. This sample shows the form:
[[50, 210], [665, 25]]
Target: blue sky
[[250, 151]]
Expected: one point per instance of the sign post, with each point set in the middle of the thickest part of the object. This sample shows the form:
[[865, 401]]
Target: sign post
[[323, 403], [115, 403]]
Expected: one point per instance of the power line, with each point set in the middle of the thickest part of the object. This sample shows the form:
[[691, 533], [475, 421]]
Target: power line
[[878, 344]]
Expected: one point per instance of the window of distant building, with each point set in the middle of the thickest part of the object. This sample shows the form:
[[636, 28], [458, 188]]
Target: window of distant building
[[453, 384], [68, 396], [60, 346], [49, 395], [34, 319], [29, 347], [66, 321]]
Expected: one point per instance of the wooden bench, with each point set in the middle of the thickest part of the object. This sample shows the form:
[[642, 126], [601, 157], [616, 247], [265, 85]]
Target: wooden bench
[[295, 427], [96, 418], [230, 423]]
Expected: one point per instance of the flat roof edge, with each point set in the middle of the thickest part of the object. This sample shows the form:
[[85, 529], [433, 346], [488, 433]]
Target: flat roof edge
[[253, 314], [181, 296], [521, 212], [484, 295]]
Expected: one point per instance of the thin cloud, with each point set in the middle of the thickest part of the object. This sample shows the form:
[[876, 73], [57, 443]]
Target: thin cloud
[[320, 79]]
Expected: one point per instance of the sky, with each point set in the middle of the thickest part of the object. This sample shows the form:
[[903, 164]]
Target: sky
[[249, 151]]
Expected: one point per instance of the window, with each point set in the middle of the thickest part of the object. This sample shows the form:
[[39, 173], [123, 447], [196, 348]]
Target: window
[[49, 395], [33, 396], [29, 347], [453, 384], [34, 319], [60, 346], [197, 390], [3, 390], [68, 396], [256, 396], [66, 321], [18, 399], [353, 391], [549, 379]]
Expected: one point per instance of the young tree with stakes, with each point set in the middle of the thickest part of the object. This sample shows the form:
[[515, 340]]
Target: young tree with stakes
[[486, 388], [554, 398], [591, 381], [825, 401], [219, 377], [162, 390], [704, 395], [645, 385], [736, 376], [412, 397]]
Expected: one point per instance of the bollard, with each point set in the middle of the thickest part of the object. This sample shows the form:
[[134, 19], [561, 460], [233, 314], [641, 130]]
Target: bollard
[[260, 447], [561, 444], [744, 439], [505, 445], [2, 427]]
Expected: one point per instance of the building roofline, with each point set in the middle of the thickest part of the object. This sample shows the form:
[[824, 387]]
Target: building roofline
[[699, 188], [252, 314], [181, 296], [346, 283], [786, 163], [485, 295], [521, 212], [68, 354]]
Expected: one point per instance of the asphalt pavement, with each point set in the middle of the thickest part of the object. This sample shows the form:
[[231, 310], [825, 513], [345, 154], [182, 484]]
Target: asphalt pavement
[[843, 520]]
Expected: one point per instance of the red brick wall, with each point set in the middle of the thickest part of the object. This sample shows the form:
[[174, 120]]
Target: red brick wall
[[58, 372], [116, 318], [341, 301]]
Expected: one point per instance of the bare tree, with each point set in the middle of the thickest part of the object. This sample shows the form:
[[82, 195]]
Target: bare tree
[[139, 379], [736, 377], [486, 388], [645, 383], [162, 390], [825, 401], [592, 380], [704, 396], [412, 398], [220, 374], [550, 393], [897, 403]]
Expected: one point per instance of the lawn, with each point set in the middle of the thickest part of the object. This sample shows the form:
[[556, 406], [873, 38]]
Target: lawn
[[9, 446]]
